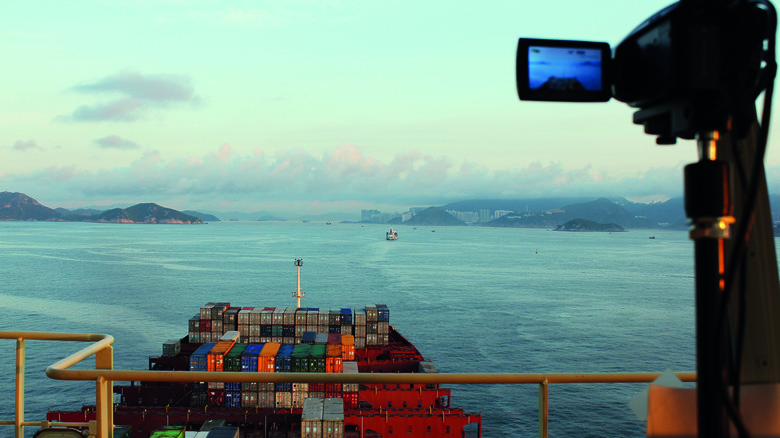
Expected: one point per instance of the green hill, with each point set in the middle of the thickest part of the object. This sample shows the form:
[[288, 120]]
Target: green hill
[[147, 213], [586, 225], [20, 207]]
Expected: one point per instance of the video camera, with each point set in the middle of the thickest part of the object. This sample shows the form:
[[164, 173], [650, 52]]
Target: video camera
[[693, 66]]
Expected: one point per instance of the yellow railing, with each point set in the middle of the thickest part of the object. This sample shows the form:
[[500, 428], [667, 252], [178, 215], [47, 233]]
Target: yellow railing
[[104, 375]]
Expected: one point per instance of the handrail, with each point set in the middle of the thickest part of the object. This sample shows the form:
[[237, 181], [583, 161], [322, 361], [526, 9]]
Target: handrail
[[104, 374]]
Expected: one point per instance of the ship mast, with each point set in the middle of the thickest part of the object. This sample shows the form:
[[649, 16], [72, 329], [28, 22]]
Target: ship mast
[[299, 293]]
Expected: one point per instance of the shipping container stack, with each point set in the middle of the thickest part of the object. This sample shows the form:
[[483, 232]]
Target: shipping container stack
[[322, 418], [199, 362], [350, 390], [254, 339]]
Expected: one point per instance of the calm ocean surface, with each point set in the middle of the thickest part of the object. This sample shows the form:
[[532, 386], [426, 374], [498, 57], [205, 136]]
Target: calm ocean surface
[[471, 299]]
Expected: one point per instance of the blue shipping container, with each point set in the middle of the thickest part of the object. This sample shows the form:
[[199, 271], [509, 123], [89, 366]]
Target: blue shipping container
[[249, 357], [308, 338], [346, 316], [232, 399], [198, 359]]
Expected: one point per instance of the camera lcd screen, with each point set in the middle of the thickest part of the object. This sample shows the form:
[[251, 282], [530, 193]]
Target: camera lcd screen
[[556, 70]]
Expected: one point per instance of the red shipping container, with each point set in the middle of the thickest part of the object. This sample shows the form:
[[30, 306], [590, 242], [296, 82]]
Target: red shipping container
[[332, 394], [216, 397], [205, 325], [350, 400], [317, 387]]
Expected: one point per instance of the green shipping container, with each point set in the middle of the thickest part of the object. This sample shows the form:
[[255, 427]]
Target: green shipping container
[[233, 358], [300, 358], [168, 432]]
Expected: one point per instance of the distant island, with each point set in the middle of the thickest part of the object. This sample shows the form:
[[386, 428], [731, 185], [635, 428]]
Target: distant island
[[20, 207], [586, 225], [547, 213]]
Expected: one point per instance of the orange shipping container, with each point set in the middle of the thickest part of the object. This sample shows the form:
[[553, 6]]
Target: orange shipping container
[[347, 347], [333, 361], [266, 361], [216, 357]]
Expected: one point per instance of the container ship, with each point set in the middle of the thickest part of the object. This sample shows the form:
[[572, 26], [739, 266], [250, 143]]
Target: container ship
[[224, 337]]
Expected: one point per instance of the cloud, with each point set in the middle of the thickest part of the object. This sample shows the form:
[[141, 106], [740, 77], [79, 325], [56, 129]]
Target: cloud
[[343, 176], [138, 94], [21, 145], [121, 110], [115, 142]]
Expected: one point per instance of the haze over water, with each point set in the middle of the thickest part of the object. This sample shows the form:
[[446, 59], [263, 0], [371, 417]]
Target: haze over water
[[471, 299]]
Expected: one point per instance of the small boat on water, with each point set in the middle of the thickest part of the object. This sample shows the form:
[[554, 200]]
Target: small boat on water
[[392, 234]]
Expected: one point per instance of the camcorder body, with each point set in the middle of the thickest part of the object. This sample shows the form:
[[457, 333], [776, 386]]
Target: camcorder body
[[693, 66]]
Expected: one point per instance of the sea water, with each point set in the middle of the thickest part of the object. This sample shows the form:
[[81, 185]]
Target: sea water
[[471, 299]]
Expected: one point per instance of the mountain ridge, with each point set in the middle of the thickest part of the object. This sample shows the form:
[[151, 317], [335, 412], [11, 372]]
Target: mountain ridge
[[16, 206]]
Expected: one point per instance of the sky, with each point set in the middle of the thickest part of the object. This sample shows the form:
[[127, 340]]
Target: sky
[[304, 106]]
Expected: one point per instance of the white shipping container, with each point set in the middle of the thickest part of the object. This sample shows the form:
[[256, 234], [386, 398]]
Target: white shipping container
[[284, 399], [324, 317], [277, 318], [248, 399], [333, 418], [243, 316], [360, 342], [256, 316], [266, 399], [298, 398], [371, 313], [205, 311], [301, 316], [171, 348], [360, 317], [231, 335], [311, 418], [289, 316]]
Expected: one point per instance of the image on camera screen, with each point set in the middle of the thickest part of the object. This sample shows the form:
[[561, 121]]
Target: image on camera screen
[[564, 68]]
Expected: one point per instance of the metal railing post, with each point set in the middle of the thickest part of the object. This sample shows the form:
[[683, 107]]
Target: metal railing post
[[543, 407], [19, 394], [104, 360]]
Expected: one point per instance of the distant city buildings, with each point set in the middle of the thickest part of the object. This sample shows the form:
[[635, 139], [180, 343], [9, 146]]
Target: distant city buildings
[[377, 217], [481, 216]]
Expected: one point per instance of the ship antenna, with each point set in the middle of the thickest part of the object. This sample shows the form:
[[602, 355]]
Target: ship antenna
[[299, 293]]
